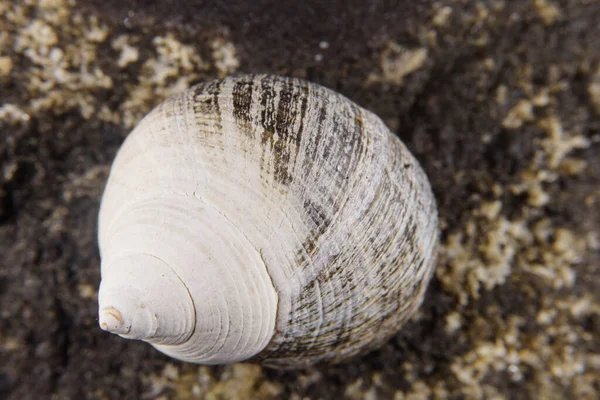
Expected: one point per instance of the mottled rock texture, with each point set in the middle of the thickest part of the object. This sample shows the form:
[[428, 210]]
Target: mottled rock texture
[[499, 101]]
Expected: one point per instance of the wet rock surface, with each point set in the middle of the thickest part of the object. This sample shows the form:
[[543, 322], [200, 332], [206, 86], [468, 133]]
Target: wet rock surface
[[499, 101]]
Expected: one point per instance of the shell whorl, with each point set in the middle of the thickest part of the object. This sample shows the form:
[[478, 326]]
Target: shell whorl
[[266, 217]]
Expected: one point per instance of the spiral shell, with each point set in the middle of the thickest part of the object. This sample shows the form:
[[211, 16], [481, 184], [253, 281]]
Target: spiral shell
[[266, 218]]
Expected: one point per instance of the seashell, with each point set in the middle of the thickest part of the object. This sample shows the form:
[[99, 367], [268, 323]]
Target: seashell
[[263, 218]]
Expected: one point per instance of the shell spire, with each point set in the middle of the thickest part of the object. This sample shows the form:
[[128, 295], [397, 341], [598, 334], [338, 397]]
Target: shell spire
[[136, 304]]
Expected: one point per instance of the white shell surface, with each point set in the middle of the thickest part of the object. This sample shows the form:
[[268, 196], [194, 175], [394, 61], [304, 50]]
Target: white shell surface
[[267, 217]]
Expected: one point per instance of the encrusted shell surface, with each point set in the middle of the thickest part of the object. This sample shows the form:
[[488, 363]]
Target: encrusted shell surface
[[266, 218]]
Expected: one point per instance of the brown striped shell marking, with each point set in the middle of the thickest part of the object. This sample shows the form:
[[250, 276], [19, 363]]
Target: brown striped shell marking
[[263, 218]]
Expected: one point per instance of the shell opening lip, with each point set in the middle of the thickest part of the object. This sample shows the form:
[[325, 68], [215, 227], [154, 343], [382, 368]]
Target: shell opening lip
[[110, 320]]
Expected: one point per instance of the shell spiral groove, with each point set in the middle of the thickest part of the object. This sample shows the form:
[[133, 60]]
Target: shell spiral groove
[[265, 218]]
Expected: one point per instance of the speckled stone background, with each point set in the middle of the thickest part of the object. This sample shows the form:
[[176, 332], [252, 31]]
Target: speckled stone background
[[498, 99]]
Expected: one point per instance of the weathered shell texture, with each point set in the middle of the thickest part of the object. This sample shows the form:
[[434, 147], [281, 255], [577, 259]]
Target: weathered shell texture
[[266, 218]]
